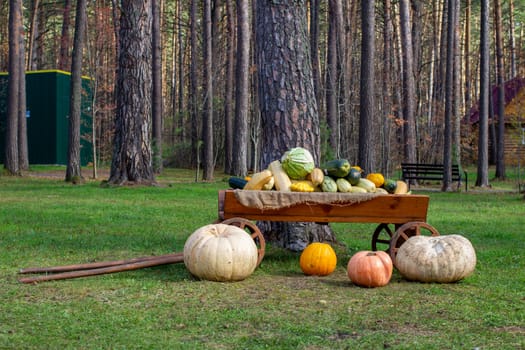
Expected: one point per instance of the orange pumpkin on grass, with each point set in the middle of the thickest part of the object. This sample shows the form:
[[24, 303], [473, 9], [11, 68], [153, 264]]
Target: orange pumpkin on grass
[[318, 259], [370, 268]]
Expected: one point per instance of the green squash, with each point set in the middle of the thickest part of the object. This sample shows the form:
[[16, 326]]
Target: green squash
[[329, 184], [337, 167], [390, 185], [353, 176]]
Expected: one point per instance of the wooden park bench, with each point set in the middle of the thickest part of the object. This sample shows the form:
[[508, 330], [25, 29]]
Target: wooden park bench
[[431, 172]]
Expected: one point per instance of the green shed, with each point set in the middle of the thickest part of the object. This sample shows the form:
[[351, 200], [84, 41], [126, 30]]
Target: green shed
[[48, 94]]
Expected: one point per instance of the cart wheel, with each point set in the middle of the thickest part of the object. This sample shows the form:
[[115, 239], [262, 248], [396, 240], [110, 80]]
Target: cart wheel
[[382, 235], [253, 231], [406, 231]]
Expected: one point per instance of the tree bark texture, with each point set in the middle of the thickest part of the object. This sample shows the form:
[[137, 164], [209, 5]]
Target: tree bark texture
[[23, 153], [73, 170], [500, 77], [11, 163], [366, 158], [242, 89], [314, 51], [229, 88], [207, 113], [332, 108], [387, 87], [409, 94], [194, 86], [449, 95], [132, 159], [156, 104], [482, 179], [63, 58], [287, 102]]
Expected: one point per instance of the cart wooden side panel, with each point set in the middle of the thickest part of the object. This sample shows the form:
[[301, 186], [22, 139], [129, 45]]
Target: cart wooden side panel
[[393, 209]]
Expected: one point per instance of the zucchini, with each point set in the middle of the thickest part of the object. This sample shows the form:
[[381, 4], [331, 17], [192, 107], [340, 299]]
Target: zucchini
[[337, 167]]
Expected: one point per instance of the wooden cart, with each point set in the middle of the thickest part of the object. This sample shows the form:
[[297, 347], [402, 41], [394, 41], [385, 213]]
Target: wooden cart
[[398, 217]]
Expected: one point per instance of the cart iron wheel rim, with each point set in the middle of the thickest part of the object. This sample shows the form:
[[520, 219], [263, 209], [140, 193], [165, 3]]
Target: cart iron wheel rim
[[382, 236], [405, 231], [253, 231]]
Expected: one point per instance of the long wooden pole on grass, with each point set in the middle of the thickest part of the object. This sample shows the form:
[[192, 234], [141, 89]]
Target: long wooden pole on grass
[[93, 269]]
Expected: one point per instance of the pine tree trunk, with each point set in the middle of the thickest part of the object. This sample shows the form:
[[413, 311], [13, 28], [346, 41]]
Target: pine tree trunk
[[156, 104], [63, 58], [23, 154], [409, 94], [287, 102], [332, 109], [132, 158], [242, 90], [366, 158], [207, 113], [482, 179], [500, 77], [449, 94], [73, 170], [229, 89], [11, 163]]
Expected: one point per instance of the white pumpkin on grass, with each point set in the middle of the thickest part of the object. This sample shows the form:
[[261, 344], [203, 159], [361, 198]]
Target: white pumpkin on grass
[[220, 252], [443, 259]]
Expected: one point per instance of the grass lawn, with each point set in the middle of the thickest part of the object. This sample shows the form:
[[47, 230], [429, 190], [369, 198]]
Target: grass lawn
[[46, 222]]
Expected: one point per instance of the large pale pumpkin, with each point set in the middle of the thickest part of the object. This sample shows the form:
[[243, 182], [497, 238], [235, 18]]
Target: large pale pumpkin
[[220, 252], [443, 259], [370, 268], [318, 259]]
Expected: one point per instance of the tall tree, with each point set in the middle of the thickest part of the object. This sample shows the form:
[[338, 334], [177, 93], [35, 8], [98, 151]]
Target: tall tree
[[449, 96], [63, 61], [314, 49], [156, 103], [194, 87], [512, 41], [287, 102], [207, 113], [500, 80], [387, 86], [229, 88], [11, 160], [366, 158], [332, 107], [73, 170], [132, 145], [409, 93], [242, 87], [482, 179], [33, 24], [23, 153]]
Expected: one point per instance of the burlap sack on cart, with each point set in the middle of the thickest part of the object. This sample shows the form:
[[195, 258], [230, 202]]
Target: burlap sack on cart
[[273, 200]]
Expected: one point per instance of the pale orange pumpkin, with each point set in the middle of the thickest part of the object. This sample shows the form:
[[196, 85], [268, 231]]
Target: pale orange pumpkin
[[219, 252], [370, 268], [318, 259]]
